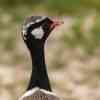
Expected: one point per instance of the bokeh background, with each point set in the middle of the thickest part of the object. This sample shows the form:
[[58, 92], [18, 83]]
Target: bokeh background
[[72, 50]]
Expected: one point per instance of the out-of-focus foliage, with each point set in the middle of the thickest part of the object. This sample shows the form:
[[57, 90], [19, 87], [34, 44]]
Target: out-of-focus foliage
[[13, 13], [64, 6], [72, 6], [15, 3], [88, 40], [56, 6], [74, 54]]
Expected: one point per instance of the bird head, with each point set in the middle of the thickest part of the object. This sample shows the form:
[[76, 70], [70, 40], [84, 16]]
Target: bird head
[[36, 29]]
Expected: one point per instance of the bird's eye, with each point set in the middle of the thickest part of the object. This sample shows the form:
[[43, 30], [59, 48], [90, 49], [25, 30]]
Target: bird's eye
[[46, 27]]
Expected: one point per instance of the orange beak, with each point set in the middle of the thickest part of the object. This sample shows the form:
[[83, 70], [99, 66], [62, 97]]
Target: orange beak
[[56, 23]]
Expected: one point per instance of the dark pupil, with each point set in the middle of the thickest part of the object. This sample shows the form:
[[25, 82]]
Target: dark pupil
[[46, 25]]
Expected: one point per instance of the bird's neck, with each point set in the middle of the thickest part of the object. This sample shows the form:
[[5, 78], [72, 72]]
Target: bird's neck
[[39, 77]]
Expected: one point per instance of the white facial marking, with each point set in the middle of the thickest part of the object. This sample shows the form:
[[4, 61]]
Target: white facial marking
[[28, 25], [38, 20], [38, 33], [24, 32]]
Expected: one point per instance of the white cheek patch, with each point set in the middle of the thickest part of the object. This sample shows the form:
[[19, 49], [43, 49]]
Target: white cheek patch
[[38, 33]]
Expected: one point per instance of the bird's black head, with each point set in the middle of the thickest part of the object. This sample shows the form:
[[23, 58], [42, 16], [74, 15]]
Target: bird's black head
[[36, 29]]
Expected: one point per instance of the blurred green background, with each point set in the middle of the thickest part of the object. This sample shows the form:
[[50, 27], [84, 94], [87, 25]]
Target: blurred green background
[[72, 51]]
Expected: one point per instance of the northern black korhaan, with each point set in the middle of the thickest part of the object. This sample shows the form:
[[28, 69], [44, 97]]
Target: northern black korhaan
[[35, 31]]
